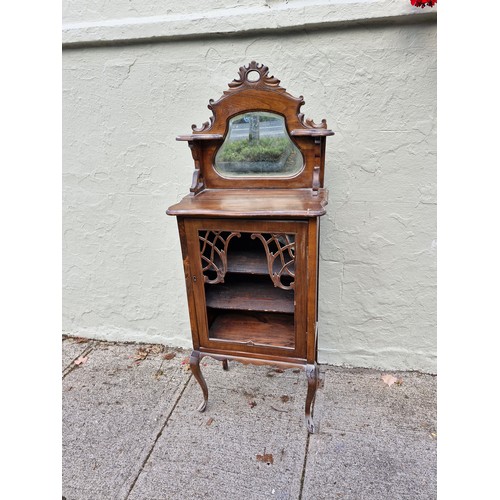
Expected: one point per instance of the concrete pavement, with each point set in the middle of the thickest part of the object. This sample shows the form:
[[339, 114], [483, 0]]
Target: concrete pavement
[[131, 430]]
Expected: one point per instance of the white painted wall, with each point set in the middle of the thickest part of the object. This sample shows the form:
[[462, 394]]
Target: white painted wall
[[124, 104]]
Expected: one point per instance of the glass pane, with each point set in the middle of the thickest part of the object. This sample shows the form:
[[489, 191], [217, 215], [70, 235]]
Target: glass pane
[[258, 145]]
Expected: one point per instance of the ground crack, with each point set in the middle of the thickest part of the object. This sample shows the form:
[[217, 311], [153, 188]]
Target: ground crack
[[72, 365], [160, 432], [304, 467]]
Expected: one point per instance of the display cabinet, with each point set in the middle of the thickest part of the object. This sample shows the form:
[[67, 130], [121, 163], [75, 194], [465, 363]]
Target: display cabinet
[[249, 230]]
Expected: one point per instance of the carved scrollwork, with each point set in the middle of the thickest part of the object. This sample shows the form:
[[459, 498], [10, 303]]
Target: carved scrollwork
[[280, 253], [197, 183], [206, 125], [309, 123], [213, 252]]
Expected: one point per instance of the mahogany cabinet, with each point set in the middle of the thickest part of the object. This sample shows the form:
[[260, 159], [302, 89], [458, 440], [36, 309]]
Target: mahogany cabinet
[[249, 230]]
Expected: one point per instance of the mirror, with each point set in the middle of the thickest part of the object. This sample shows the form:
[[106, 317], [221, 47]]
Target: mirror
[[258, 145]]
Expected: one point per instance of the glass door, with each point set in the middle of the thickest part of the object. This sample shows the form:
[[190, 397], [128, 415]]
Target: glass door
[[250, 290]]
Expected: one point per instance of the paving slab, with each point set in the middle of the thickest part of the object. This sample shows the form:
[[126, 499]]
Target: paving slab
[[375, 441], [114, 407], [250, 442]]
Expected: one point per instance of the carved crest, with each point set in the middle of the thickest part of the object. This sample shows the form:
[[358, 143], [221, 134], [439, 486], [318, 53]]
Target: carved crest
[[255, 75]]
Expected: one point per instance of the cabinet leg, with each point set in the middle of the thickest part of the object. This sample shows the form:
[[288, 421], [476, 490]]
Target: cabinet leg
[[225, 366], [312, 373], [194, 364]]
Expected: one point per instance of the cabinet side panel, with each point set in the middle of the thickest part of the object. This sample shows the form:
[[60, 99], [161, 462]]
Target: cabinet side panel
[[188, 280], [301, 290], [312, 287], [197, 282]]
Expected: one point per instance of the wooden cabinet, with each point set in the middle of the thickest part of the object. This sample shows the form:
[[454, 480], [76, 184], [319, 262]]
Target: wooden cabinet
[[249, 230]]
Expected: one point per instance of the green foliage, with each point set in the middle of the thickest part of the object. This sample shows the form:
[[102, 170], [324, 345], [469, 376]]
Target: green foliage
[[266, 149]]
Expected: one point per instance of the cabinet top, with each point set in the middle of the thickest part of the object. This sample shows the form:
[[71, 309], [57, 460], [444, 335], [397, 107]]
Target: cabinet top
[[257, 138], [254, 203]]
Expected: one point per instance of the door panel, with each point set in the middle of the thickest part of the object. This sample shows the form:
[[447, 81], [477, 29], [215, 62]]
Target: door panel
[[249, 282]]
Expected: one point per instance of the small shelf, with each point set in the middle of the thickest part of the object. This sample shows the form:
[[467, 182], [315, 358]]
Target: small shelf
[[268, 329], [312, 132], [247, 262], [251, 262], [250, 294], [199, 137]]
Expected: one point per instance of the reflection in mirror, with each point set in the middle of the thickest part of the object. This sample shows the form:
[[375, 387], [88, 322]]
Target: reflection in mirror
[[257, 144]]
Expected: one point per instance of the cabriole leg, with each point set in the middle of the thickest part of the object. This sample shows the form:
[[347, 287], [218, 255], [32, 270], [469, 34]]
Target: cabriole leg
[[312, 373], [194, 363]]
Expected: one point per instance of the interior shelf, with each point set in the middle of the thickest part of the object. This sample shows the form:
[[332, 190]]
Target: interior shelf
[[254, 328], [250, 294], [251, 262]]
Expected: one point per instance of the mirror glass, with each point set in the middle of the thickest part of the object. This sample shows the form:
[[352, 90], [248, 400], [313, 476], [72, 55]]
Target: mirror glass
[[258, 145]]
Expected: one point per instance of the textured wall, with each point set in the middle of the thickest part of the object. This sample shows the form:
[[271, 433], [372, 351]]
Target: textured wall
[[101, 10], [123, 107]]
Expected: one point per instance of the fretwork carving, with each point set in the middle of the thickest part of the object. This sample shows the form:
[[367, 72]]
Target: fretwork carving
[[213, 252], [280, 253]]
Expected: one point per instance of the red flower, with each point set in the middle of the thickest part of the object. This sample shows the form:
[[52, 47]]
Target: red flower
[[423, 3]]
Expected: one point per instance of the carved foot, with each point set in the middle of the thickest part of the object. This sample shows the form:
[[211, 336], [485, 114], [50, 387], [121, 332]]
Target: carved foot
[[225, 366], [312, 373], [194, 363]]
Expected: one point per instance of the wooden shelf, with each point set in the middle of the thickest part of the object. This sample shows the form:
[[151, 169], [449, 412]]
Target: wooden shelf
[[244, 262], [271, 203], [200, 137], [250, 295], [312, 132], [268, 329], [251, 262]]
